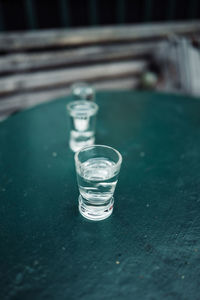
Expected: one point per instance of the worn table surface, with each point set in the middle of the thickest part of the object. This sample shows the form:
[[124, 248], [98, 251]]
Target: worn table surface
[[148, 249]]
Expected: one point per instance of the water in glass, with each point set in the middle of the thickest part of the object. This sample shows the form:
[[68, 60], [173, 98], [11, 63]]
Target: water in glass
[[82, 116], [97, 169], [98, 181]]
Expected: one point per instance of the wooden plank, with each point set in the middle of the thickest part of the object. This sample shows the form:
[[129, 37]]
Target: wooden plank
[[41, 80], [29, 99], [31, 61], [118, 84], [72, 37]]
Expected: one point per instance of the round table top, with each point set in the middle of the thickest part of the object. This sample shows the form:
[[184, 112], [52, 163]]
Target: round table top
[[148, 249]]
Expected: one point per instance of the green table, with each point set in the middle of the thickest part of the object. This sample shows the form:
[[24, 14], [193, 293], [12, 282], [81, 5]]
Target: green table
[[148, 249]]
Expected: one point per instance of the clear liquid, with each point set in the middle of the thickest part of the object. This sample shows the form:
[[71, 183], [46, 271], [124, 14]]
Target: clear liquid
[[98, 181], [79, 140], [82, 132]]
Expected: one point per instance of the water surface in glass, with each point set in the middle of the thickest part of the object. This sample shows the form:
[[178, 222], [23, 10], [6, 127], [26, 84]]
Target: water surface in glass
[[82, 115]]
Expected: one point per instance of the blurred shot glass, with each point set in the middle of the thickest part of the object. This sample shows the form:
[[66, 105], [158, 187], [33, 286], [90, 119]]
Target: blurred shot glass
[[82, 115], [97, 169], [83, 91]]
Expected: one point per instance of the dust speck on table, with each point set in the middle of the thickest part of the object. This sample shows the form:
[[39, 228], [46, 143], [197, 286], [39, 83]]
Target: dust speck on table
[[36, 262], [18, 278], [142, 154]]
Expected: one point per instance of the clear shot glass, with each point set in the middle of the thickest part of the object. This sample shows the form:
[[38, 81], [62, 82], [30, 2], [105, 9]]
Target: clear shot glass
[[83, 91], [97, 169], [82, 115]]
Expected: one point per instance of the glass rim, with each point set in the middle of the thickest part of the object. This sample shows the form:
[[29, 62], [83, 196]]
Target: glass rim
[[89, 104], [99, 146]]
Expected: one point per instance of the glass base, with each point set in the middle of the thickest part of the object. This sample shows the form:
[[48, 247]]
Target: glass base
[[78, 145], [95, 213]]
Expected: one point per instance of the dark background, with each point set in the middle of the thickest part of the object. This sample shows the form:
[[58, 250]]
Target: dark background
[[41, 14]]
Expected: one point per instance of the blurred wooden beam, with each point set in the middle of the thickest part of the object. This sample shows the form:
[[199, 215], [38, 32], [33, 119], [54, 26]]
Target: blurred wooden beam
[[14, 103], [60, 58], [56, 78], [74, 37]]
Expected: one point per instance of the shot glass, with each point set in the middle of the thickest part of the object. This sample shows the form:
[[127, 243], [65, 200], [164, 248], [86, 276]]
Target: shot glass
[[97, 169], [82, 115], [83, 91]]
